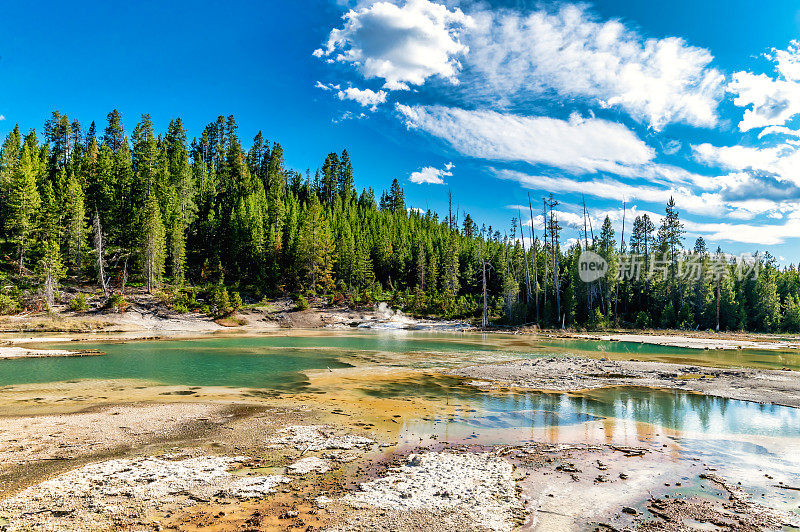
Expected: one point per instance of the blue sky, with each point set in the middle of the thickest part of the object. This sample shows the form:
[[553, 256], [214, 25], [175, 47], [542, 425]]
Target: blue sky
[[612, 100]]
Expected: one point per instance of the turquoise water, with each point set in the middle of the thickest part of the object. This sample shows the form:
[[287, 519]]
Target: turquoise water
[[273, 362], [236, 362], [278, 362]]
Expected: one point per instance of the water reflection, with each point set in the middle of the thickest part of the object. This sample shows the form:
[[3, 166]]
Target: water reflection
[[622, 409]]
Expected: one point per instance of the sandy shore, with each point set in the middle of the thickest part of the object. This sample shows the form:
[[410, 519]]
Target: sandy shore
[[698, 340], [569, 374], [10, 352]]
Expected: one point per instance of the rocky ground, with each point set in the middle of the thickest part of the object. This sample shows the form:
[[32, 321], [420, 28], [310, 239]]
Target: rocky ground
[[107, 455], [559, 373], [243, 463], [505, 488]]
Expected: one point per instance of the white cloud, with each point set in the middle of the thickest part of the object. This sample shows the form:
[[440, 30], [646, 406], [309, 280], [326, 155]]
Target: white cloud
[[778, 130], [365, 97], [658, 81], [403, 45], [770, 101], [787, 61], [431, 176], [581, 145], [738, 157], [326, 86], [568, 243], [347, 115], [672, 146], [2, 117], [762, 234], [705, 203], [778, 162], [565, 219]]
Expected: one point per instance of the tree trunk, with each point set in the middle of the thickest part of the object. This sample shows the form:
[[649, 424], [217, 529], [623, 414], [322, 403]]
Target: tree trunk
[[98, 245]]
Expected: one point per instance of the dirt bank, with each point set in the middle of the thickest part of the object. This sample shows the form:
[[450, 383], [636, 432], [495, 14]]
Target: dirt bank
[[147, 318], [687, 339], [574, 374], [8, 352]]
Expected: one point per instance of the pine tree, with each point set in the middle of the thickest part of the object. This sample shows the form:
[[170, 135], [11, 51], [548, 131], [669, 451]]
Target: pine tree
[[346, 181], [451, 284], [183, 206], [791, 314], [315, 249], [276, 209], [396, 201], [23, 206], [330, 178], [50, 271], [670, 238], [767, 307], [144, 157], [9, 157], [152, 243], [49, 214], [75, 224], [114, 135], [363, 275], [99, 246], [58, 133]]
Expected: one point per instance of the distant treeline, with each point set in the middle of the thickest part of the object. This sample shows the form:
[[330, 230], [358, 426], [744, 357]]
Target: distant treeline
[[186, 219]]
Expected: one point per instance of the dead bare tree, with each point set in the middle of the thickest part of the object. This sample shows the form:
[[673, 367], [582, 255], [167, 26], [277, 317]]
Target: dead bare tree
[[533, 245], [98, 246], [621, 249], [525, 257]]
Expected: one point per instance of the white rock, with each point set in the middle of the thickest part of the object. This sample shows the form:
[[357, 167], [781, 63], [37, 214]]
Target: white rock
[[317, 438], [97, 492], [309, 464], [480, 485]]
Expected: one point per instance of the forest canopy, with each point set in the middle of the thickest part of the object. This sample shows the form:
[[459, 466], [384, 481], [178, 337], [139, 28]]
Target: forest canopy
[[156, 212]]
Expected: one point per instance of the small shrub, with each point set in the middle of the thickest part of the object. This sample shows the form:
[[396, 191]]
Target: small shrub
[[598, 320], [668, 317], [221, 301], [236, 301], [643, 321], [117, 302], [183, 302], [8, 305], [78, 303], [301, 303], [164, 297]]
